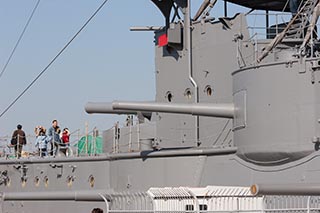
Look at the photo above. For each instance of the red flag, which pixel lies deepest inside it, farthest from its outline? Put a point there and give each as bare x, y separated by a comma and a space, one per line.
162, 40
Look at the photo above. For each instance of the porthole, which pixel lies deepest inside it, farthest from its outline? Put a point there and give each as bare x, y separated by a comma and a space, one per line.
69, 181
23, 182
37, 181
169, 96
7, 182
46, 181
208, 90
188, 93
91, 181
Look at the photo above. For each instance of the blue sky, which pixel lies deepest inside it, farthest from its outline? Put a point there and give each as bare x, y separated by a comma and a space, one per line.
106, 62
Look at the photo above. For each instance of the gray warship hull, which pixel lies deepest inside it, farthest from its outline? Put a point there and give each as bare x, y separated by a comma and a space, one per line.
231, 110
67, 184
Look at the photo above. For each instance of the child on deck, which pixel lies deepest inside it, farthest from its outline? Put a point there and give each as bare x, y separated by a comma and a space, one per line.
65, 136
42, 142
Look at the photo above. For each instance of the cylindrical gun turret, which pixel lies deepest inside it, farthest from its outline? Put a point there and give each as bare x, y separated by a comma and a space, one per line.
106, 108
285, 189
211, 110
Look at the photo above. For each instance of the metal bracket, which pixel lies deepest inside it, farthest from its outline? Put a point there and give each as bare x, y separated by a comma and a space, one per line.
59, 174
302, 65
4, 177
73, 168
240, 100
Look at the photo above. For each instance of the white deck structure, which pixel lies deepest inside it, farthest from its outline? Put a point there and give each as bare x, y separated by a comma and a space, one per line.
227, 199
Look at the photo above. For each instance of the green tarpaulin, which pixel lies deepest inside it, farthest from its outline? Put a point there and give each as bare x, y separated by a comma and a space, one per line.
94, 145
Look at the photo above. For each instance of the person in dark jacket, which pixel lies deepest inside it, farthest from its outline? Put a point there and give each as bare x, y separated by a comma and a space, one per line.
18, 140
54, 137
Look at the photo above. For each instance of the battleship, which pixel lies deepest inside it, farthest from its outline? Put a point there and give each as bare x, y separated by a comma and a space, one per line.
234, 127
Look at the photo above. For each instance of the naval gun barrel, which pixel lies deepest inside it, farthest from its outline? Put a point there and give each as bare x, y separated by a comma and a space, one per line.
285, 189
106, 108
198, 109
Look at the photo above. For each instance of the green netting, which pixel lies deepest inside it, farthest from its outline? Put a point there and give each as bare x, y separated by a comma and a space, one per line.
94, 146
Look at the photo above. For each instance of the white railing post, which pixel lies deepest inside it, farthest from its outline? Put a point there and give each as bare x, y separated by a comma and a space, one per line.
130, 136
138, 136
106, 201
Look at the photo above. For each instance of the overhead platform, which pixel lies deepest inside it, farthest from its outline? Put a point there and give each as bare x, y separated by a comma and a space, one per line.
273, 5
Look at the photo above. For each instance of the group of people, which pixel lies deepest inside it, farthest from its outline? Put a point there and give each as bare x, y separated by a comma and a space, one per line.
53, 138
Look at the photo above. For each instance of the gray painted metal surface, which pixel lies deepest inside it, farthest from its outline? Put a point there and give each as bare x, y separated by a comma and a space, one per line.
211, 110
276, 189
266, 133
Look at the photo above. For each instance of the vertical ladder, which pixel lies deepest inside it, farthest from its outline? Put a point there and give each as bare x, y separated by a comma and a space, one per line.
298, 27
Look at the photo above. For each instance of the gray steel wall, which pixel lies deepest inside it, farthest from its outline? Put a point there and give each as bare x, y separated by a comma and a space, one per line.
214, 58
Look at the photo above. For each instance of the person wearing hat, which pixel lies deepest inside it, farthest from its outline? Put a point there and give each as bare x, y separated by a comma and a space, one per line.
18, 140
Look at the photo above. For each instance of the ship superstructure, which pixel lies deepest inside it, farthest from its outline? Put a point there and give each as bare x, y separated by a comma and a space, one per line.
232, 109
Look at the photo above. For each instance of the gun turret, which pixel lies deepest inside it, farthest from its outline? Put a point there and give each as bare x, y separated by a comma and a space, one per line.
198, 109
106, 108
